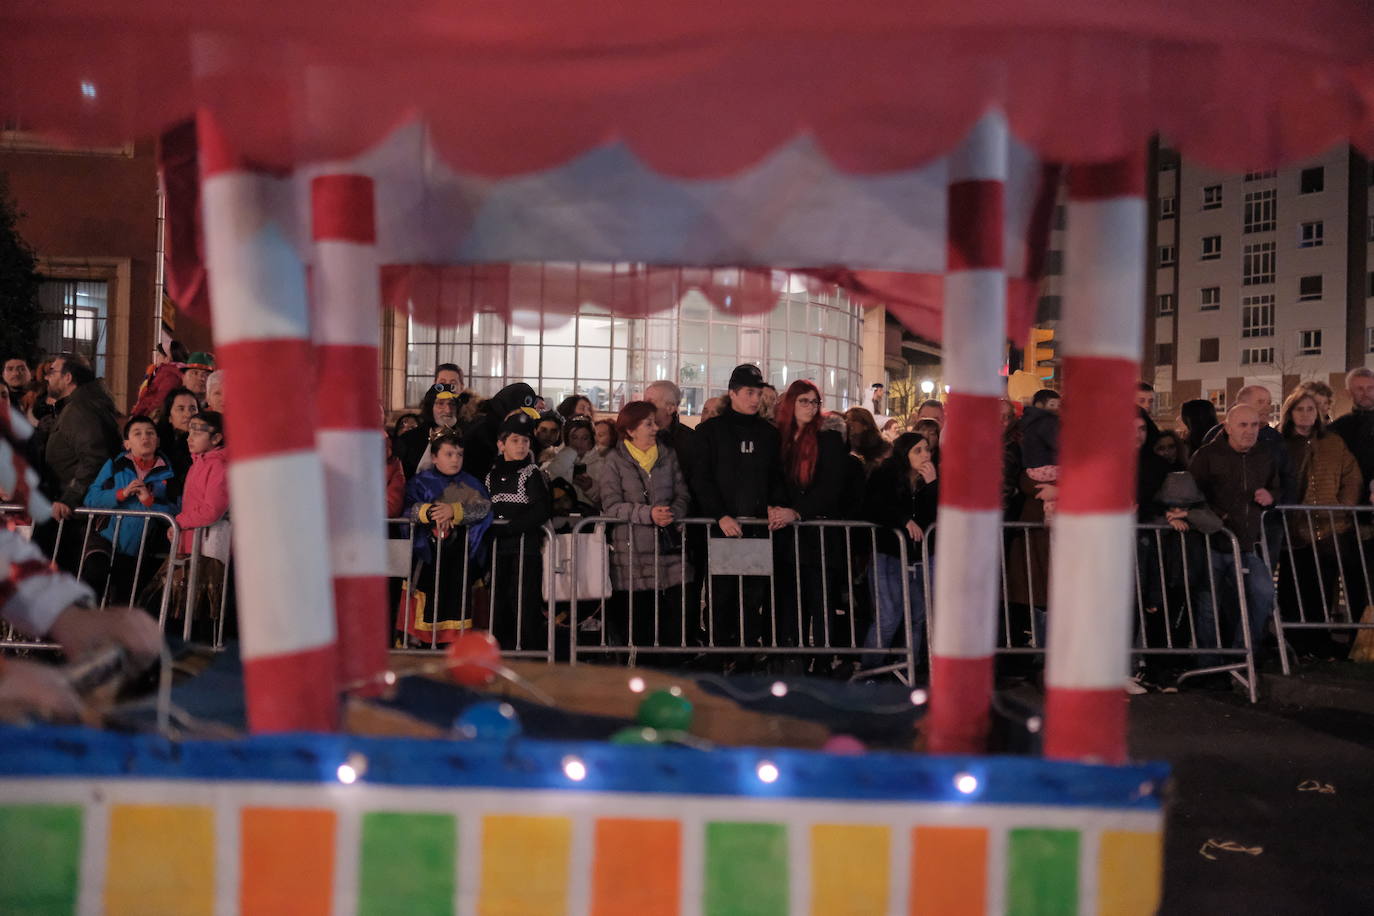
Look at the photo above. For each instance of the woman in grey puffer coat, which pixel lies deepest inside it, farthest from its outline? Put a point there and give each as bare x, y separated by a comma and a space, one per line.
652, 501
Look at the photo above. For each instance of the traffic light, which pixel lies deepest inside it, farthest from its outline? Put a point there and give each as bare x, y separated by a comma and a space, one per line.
1041, 353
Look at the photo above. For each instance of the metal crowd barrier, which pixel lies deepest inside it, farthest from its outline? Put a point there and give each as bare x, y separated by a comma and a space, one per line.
500, 611
1176, 591
62, 554
1321, 559
728, 602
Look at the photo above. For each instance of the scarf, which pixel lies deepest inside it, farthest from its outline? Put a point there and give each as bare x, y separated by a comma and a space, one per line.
646, 460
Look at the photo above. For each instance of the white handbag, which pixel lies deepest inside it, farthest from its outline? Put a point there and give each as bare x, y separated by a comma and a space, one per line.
593, 572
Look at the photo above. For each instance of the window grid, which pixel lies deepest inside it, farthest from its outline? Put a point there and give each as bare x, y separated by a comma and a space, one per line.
1310, 288
1166, 304
75, 317
1310, 343
1260, 176
1312, 181
1257, 316
1369, 340
1211, 298
1256, 356
1261, 210
1168, 256
1312, 233
1211, 197
1211, 247
1258, 263
1168, 207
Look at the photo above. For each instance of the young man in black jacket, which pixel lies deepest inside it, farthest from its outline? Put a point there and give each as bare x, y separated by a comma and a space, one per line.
737, 473
521, 505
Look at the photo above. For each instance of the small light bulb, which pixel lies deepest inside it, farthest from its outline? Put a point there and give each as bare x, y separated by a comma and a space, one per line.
574, 769
779, 689
636, 685
352, 769
919, 697
347, 775
88, 89
1033, 724
966, 783
675, 690
389, 678
767, 772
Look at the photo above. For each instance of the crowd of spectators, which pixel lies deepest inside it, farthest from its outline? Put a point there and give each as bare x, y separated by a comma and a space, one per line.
480, 477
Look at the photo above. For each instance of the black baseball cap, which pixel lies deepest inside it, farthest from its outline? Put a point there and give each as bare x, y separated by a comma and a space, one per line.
746, 375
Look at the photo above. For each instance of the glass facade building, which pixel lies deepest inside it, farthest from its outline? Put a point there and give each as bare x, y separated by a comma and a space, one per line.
812, 332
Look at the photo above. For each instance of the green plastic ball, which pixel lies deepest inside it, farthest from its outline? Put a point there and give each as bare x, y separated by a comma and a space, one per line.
665, 710
636, 735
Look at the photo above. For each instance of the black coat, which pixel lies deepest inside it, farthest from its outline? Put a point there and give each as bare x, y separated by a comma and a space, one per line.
837, 484
890, 503
1357, 429
736, 468
519, 498
679, 438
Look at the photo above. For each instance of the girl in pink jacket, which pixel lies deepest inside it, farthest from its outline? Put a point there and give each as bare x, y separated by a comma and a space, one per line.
205, 498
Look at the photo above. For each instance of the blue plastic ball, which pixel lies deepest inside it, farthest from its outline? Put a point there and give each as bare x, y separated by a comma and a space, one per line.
489, 720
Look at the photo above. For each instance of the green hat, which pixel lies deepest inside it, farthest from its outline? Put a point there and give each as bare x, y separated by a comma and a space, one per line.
201, 360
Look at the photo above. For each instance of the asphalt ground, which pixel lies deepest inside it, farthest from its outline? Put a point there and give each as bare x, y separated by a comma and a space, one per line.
1286, 784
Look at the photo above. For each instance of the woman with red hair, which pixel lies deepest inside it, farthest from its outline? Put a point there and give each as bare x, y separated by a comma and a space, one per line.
823, 482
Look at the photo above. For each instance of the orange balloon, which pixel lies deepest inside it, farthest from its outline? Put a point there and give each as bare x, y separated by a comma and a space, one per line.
474, 658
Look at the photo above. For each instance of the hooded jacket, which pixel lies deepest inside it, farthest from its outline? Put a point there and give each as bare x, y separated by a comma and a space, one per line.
205, 496
1039, 437
163, 380
108, 492
84, 435
479, 439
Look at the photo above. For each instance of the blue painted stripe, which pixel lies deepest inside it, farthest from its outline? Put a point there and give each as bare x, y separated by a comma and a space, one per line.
527, 764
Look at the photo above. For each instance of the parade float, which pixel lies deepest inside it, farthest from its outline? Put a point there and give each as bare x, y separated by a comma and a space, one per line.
347, 154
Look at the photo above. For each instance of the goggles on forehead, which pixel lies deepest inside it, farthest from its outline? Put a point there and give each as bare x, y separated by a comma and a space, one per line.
442, 390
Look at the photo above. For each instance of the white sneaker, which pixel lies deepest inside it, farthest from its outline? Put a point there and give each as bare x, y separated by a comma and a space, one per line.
1134, 687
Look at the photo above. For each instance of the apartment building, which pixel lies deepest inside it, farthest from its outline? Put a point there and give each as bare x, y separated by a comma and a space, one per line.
1258, 277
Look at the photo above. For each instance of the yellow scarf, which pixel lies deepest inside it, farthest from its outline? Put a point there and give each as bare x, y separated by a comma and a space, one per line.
646, 460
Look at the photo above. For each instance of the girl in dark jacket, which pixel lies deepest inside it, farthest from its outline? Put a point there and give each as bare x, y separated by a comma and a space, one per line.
641, 482
173, 426
823, 481
903, 494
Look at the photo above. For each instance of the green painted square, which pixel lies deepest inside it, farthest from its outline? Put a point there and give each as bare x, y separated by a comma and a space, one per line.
1042, 872
406, 864
40, 858
746, 869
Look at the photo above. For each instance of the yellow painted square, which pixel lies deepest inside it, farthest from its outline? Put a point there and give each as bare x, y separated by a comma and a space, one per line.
524, 865
1130, 873
161, 861
849, 869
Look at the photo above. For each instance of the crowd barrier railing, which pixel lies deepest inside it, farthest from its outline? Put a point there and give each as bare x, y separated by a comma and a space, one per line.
1184, 607
1321, 556
77, 544
763, 594
488, 575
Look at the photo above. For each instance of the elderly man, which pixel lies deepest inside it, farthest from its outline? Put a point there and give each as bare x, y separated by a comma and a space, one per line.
1259, 398
1357, 427
665, 396
1239, 478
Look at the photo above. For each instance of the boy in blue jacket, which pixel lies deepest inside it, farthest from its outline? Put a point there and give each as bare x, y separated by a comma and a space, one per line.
136, 478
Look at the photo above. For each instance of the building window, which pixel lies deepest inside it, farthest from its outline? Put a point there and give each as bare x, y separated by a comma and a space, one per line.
1166, 304
1369, 340
1211, 298
611, 359
1256, 356
1048, 309
1258, 263
75, 313
1370, 291
1218, 397
1211, 197
1168, 256
1164, 400
1259, 176
1211, 247
1257, 316
1313, 180
1311, 236
1168, 160
1168, 207
1370, 234
1310, 343
1060, 217
1054, 262
1209, 350
1261, 208
1164, 356
1309, 288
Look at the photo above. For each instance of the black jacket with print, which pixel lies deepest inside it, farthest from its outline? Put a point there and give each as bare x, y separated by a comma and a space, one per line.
736, 469
519, 499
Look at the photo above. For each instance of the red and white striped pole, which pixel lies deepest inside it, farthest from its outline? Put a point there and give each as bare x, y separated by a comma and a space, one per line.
276, 481
964, 628
1093, 547
346, 292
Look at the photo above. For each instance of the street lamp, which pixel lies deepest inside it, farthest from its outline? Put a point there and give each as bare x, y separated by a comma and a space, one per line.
927, 387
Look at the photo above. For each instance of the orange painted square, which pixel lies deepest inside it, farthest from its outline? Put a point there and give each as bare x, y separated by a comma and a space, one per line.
288, 861
635, 871
949, 871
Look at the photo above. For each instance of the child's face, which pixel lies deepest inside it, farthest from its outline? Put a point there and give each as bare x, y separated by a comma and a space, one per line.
141, 440
514, 447
448, 460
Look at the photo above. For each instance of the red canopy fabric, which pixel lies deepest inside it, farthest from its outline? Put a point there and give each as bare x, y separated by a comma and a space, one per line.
701, 89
